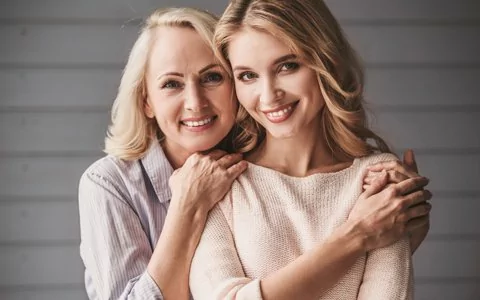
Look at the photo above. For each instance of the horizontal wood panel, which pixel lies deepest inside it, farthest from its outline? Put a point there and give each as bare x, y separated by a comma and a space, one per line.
58, 88
45, 294
33, 265
85, 131
426, 130
92, 9
447, 291
448, 259
415, 45
55, 265
87, 44
41, 131
39, 221
97, 88
32, 222
58, 176
343, 9
422, 87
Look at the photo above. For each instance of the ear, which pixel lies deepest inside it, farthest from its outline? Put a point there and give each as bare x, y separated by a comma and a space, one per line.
147, 107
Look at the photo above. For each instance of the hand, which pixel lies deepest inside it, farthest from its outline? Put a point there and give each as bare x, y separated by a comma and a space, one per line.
398, 172
204, 180
385, 214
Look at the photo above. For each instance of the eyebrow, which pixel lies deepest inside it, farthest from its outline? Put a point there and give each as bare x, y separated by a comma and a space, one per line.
275, 62
204, 69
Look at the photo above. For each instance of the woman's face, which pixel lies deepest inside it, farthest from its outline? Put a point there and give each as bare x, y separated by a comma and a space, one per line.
189, 93
276, 88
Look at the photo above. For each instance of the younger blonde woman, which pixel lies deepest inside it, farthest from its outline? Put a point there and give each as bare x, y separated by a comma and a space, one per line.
294, 224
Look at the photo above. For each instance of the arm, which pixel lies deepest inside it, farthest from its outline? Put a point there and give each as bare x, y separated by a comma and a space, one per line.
217, 273
388, 273
397, 172
114, 247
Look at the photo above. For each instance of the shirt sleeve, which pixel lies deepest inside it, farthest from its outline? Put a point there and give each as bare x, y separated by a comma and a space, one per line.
114, 248
388, 273
216, 271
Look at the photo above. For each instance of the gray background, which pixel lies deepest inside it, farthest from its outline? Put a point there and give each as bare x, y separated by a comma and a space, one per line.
60, 64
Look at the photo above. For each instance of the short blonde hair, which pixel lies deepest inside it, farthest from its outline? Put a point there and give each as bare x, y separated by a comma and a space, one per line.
310, 30
131, 131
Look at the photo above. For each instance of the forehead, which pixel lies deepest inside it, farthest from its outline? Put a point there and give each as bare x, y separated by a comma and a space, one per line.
254, 48
179, 49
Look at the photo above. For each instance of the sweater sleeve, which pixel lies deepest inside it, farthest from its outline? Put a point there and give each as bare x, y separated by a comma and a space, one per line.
216, 271
114, 247
388, 273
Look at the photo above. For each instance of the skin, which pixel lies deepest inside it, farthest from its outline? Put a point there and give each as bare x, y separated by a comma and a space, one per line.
184, 84
281, 93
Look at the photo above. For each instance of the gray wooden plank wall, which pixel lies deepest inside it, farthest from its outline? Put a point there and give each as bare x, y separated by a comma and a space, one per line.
60, 63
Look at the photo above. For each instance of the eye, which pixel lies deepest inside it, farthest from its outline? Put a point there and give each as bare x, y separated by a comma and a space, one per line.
246, 76
212, 78
289, 66
172, 84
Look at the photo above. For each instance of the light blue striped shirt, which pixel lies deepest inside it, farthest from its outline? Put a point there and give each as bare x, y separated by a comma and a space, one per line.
123, 205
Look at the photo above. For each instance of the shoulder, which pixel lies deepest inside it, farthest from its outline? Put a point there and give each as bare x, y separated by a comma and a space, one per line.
107, 174
376, 158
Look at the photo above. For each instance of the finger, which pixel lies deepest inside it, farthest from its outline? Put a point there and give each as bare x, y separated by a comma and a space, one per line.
409, 160
230, 159
417, 197
411, 184
416, 211
235, 170
390, 165
376, 186
417, 223
396, 177
216, 154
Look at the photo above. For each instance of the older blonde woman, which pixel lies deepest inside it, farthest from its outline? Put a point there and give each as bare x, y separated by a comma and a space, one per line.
144, 205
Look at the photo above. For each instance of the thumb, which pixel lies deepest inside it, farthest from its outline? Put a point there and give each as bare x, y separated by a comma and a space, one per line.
409, 160
377, 184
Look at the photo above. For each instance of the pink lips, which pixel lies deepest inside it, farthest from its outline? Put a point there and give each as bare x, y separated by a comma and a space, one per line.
198, 124
280, 113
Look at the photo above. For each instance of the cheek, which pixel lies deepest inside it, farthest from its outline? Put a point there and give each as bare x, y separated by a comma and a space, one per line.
245, 95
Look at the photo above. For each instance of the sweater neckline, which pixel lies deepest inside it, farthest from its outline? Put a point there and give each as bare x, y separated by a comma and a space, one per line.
341, 172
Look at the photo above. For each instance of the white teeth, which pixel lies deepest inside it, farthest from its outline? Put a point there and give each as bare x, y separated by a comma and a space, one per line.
197, 123
280, 113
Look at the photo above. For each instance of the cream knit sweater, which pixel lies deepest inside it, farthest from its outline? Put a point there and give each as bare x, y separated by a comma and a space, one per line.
268, 219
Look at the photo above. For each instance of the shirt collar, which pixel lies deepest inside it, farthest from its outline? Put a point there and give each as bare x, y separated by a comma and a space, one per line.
159, 170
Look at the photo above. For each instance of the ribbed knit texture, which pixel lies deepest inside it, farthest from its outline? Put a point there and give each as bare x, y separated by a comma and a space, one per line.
268, 219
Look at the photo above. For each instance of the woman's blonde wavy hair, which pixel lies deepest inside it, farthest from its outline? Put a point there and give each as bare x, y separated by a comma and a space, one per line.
310, 30
131, 132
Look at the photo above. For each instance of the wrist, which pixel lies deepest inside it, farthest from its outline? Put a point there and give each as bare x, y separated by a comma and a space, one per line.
353, 237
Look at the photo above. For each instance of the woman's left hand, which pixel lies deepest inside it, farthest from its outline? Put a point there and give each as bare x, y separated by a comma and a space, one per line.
397, 172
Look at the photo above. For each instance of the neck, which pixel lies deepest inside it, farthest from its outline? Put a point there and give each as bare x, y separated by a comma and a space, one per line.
305, 154
176, 156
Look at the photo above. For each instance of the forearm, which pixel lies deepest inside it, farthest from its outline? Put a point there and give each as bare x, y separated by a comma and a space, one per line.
316, 271
170, 263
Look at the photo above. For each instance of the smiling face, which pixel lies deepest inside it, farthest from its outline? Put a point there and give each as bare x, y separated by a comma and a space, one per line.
189, 93
275, 87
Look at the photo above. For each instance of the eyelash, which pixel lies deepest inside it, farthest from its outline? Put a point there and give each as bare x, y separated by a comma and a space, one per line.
209, 78
284, 67
167, 85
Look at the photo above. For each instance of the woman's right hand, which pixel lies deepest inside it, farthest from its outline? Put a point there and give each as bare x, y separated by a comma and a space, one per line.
386, 214
204, 180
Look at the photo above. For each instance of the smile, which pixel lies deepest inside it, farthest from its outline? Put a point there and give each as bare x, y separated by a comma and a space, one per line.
280, 114
198, 124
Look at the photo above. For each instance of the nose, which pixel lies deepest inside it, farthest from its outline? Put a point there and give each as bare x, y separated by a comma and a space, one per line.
270, 93
194, 99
